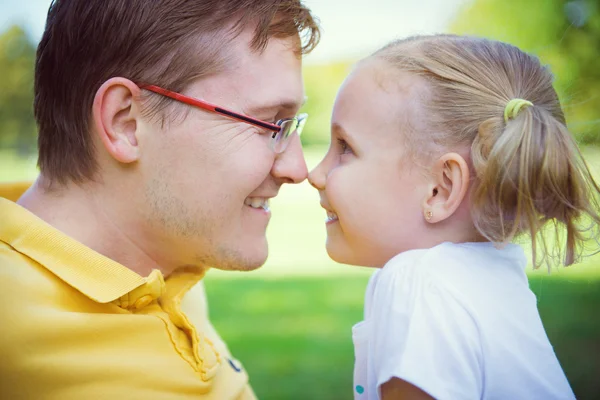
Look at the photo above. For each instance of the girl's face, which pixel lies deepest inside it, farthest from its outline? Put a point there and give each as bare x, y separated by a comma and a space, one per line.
372, 192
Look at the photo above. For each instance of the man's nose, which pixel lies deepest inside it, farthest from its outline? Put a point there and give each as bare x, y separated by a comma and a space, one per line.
290, 166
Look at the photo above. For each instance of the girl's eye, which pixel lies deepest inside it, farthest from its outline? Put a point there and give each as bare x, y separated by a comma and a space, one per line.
344, 147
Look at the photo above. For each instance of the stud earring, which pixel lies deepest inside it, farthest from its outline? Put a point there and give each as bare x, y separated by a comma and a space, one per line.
428, 215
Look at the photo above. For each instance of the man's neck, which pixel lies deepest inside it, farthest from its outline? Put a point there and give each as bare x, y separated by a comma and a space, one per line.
82, 214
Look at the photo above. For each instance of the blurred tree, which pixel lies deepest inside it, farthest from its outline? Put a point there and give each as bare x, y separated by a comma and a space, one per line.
322, 83
564, 34
17, 58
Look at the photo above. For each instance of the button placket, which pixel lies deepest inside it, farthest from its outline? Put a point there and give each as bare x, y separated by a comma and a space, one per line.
205, 358
143, 295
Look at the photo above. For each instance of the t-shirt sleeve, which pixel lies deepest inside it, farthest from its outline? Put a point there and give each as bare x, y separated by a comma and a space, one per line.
421, 333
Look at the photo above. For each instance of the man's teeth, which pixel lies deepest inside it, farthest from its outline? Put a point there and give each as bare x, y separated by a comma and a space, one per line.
257, 202
331, 216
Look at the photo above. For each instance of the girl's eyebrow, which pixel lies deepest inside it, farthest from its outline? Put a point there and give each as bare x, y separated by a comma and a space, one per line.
339, 130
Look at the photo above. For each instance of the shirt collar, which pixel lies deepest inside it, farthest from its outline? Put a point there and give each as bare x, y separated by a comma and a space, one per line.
96, 276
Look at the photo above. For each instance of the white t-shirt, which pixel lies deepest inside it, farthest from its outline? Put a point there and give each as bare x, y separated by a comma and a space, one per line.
459, 322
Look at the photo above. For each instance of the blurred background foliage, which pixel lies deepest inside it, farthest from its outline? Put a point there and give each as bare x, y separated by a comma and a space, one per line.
564, 34
290, 321
17, 58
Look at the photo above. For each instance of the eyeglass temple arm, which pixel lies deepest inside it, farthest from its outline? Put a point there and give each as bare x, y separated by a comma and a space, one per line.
210, 107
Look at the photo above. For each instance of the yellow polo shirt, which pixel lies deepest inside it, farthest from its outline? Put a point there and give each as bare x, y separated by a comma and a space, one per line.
77, 325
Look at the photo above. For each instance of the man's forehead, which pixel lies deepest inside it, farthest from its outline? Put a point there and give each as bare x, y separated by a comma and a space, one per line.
262, 81
273, 87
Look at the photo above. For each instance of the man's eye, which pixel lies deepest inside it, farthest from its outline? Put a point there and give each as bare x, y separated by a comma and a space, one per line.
269, 132
264, 131
344, 147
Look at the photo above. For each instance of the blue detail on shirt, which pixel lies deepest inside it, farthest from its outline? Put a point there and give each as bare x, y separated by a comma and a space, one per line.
235, 367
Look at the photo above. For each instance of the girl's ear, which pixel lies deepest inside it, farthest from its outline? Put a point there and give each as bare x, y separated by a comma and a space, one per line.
449, 184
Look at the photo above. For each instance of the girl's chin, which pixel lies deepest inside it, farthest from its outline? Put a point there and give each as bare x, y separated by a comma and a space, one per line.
338, 252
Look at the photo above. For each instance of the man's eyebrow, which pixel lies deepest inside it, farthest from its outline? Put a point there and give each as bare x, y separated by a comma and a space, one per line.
284, 105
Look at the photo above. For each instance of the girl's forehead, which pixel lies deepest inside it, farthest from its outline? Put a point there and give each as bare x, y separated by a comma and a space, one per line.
375, 91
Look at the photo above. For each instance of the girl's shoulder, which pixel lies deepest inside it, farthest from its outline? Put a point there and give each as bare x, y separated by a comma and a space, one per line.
448, 261
461, 274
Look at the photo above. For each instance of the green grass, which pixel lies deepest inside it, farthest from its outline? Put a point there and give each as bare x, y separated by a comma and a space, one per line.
290, 321
569, 311
292, 334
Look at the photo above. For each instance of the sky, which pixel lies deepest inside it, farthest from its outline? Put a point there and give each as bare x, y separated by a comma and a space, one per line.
351, 29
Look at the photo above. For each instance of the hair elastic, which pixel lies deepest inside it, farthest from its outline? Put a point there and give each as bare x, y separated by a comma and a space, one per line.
513, 108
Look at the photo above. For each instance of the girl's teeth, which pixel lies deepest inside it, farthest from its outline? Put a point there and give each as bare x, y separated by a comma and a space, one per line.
331, 216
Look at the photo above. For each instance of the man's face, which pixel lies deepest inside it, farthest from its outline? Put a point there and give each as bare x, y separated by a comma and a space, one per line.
207, 178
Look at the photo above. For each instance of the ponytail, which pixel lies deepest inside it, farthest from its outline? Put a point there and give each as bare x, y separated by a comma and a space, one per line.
532, 178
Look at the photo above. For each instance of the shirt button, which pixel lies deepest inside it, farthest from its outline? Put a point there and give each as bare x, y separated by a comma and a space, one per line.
143, 301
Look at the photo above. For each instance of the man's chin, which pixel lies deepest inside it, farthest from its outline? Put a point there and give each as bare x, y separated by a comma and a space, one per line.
247, 257
240, 266
240, 261
249, 267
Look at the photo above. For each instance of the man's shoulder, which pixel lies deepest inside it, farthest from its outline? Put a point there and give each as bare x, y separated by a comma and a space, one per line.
18, 269
25, 286
14, 266
26, 294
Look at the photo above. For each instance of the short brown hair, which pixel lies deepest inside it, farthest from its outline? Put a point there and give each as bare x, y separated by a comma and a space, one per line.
528, 171
168, 43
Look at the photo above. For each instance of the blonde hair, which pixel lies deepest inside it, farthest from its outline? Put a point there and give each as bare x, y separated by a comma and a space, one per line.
528, 171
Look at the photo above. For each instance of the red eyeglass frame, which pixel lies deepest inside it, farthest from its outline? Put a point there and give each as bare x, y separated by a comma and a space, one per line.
205, 105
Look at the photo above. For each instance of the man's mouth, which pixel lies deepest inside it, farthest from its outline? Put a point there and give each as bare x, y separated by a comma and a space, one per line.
258, 203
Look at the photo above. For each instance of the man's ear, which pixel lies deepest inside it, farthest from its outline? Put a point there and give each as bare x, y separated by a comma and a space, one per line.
448, 187
115, 118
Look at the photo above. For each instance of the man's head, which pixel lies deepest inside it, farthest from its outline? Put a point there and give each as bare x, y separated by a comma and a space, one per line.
178, 180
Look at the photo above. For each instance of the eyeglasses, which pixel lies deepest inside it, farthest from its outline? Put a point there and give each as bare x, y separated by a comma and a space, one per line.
282, 129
